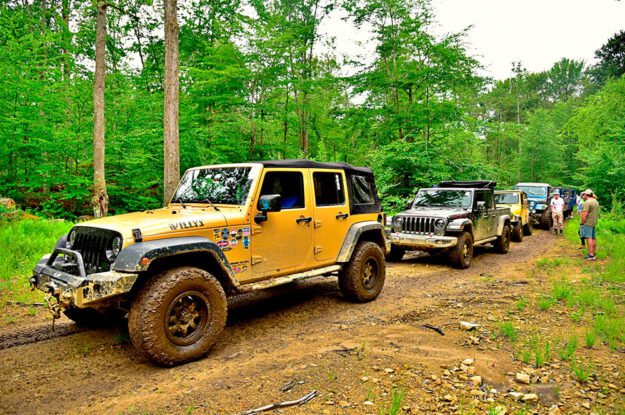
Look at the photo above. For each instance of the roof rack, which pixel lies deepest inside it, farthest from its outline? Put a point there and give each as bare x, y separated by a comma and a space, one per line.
478, 184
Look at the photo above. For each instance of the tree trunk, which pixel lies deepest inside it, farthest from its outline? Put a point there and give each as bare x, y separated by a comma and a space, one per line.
172, 156
65, 12
99, 182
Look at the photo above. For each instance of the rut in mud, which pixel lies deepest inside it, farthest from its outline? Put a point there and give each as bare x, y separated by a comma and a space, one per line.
303, 335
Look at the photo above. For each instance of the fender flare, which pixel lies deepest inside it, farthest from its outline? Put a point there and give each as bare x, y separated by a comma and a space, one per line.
353, 236
458, 225
501, 223
129, 259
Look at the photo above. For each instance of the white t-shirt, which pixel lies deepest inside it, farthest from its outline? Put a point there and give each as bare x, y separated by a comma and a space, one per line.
557, 205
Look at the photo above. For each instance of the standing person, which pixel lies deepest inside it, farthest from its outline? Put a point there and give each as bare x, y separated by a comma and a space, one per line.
588, 222
580, 204
557, 213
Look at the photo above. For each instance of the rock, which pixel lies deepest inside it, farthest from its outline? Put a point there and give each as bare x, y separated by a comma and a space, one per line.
466, 326
368, 403
446, 373
471, 370
516, 395
474, 340
523, 378
7, 202
476, 380
529, 397
477, 393
500, 410
586, 404
344, 404
468, 362
389, 370
448, 398
554, 410
364, 378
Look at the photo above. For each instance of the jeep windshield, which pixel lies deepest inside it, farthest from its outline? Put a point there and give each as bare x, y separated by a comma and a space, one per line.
443, 198
533, 190
507, 198
218, 185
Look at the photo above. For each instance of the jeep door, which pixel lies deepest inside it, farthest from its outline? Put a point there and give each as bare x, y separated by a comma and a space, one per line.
486, 217
284, 242
331, 213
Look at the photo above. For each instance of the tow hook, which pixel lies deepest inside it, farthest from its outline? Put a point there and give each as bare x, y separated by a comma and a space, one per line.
52, 301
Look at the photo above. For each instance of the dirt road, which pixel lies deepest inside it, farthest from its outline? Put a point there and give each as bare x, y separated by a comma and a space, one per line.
281, 344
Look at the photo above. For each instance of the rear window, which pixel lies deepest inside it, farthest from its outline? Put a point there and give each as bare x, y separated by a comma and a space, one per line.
363, 188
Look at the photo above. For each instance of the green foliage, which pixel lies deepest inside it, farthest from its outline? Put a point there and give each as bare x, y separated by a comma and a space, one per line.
567, 351
23, 243
508, 330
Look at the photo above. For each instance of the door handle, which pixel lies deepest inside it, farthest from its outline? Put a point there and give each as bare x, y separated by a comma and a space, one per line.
303, 219
342, 216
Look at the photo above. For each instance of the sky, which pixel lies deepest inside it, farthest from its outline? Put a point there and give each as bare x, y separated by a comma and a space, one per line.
536, 32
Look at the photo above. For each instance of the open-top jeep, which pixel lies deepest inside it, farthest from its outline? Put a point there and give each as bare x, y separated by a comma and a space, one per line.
228, 229
451, 218
520, 220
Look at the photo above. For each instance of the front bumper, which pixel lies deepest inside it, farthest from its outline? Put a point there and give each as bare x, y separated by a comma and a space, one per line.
423, 241
78, 290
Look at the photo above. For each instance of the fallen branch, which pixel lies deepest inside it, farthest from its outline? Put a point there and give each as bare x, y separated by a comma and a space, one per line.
436, 329
301, 401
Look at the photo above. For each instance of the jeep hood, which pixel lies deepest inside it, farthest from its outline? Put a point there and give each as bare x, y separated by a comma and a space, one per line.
435, 212
166, 222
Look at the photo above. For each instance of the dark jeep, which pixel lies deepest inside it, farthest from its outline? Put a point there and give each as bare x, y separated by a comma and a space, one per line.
451, 218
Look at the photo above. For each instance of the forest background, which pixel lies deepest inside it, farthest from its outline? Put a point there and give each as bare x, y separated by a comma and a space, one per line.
259, 81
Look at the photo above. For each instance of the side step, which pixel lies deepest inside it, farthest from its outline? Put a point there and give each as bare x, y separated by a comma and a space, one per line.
485, 241
273, 282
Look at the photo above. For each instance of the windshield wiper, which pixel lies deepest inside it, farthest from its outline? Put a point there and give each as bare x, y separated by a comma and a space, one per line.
211, 204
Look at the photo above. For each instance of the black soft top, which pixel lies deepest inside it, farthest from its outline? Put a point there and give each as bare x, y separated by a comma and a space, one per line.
303, 163
477, 184
363, 194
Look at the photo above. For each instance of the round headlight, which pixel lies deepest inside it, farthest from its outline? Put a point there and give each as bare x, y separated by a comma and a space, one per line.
440, 223
116, 246
71, 238
398, 220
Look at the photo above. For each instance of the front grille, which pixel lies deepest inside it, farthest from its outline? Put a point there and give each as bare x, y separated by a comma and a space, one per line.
92, 244
418, 225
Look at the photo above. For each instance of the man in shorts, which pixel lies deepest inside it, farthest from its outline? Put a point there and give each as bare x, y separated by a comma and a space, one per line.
588, 222
557, 213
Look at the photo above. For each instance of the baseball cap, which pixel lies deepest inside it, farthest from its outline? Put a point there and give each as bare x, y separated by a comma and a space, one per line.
588, 192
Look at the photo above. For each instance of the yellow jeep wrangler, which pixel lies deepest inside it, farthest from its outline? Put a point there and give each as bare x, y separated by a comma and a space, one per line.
516, 201
228, 229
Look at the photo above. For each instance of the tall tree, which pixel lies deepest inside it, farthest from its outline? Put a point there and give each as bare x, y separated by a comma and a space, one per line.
172, 153
100, 198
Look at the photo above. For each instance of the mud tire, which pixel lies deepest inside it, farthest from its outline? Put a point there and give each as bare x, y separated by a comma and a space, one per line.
502, 244
90, 317
517, 233
461, 255
178, 293
396, 254
545, 220
362, 279
527, 229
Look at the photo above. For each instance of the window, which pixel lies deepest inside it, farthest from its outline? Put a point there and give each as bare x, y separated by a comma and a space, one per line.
289, 185
486, 197
507, 198
329, 189
362, 187
220, 185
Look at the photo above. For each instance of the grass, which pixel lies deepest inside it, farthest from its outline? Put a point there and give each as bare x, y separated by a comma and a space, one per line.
561, 290
521, 304
508, 330
545, 302
581, 371
610, 330
397, 397
569, 349
590, 337
22, 244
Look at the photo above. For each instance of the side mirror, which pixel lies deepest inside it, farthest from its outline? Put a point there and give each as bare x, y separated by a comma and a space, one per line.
268, 203
481, 205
